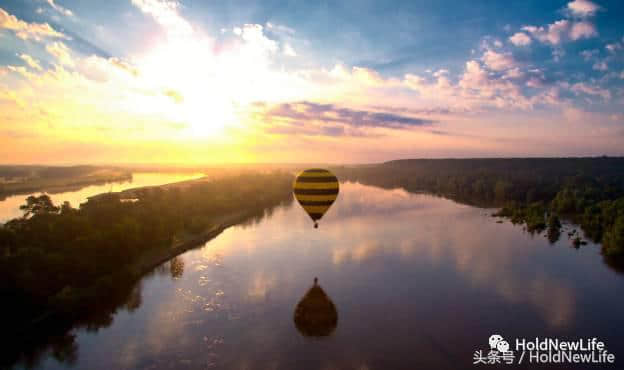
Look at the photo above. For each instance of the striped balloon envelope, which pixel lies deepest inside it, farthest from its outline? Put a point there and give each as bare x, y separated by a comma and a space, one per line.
316, 190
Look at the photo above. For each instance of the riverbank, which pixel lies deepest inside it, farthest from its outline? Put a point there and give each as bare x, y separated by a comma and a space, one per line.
67, 260
589, 191
29, 179
157, 257
191, 241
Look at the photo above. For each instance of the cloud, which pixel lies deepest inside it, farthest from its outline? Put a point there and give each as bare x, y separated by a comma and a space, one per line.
583, 8
600, 66
514, 73
614, 47
289, 51
254, 36
589, 54
23, 71
31, 62
331, 120
441, 72
582, 30
498, 61
61, 52
165, 13
520, 39
100, 69
124, 65
553, 34
25, 30
562, 30
582, 88
59, 8
534, 82
279, 28
476, 89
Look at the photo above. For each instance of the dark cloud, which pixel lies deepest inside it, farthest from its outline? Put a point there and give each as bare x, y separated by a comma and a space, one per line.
330, 113
404, 110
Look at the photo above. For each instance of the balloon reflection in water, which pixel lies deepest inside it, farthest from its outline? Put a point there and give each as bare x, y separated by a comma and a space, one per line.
316, 315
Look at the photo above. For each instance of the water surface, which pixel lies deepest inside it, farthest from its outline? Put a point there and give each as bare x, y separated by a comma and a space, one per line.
417, 282
9, 207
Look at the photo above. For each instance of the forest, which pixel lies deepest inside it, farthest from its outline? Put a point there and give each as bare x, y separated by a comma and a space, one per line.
58, 261
537, 192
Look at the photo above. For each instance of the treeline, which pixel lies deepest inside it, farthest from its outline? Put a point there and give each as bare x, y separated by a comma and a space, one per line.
28, 179
534, 191
64, 260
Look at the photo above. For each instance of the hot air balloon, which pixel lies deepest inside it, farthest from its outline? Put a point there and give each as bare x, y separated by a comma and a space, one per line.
316, 190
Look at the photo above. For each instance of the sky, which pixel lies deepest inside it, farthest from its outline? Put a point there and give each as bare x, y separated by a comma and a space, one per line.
204, 82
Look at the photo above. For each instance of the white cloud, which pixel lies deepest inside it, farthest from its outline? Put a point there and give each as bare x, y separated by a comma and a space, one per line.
561, 30
534, 82
589, 54
553, 34
582, 30
583, 8
520, 39
558, 53
25, 30
514, 73
613, 47
498, 61
441, 72
583, 88
289, 51
253, 35
600, 66
103, 70
61, 52
31, 62
165, 12
279, 28
59, 8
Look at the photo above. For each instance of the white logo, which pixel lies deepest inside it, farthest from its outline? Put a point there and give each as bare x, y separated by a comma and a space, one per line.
499, 352
494, 339
544, 351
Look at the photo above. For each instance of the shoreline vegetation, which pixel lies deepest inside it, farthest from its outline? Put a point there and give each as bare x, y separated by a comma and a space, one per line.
62, 262
16, 180
67, 267
535, 192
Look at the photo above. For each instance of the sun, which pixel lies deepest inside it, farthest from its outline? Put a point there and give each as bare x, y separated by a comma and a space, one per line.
208, 116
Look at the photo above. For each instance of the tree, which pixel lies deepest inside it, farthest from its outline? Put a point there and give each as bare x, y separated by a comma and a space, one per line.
38, 205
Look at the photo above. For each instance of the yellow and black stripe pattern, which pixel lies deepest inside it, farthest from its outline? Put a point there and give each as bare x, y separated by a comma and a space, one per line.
316, 190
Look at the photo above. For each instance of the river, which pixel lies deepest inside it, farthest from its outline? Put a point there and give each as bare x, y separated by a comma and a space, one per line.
417, 282
9, 207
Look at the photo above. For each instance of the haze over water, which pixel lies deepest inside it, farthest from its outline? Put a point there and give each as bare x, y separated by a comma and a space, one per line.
418, 282
9, 206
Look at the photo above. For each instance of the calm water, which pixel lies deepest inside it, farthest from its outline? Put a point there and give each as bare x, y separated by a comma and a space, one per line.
9, 207
418, 282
